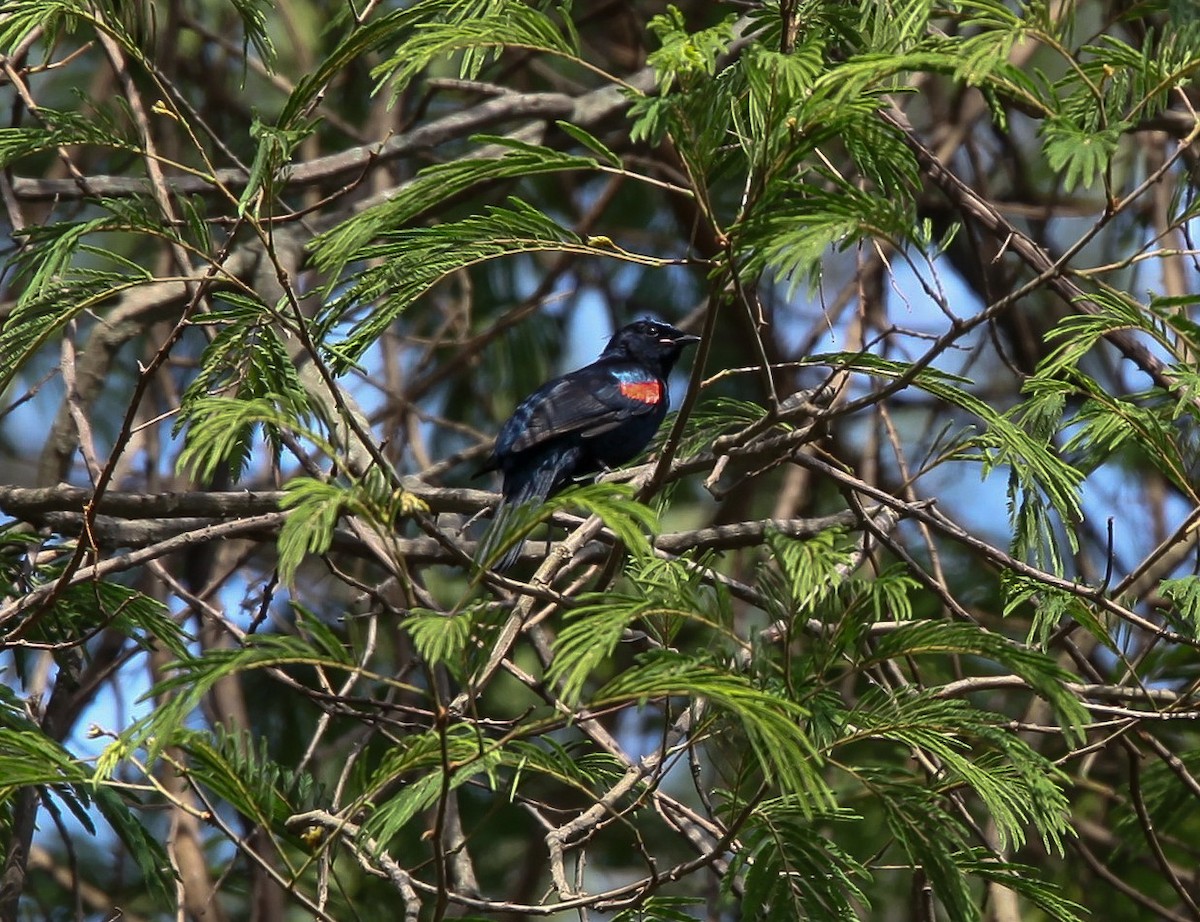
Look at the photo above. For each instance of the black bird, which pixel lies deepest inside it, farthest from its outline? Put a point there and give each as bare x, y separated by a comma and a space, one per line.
589, 420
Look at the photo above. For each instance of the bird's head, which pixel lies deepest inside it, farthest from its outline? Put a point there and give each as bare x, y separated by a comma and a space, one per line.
653, 344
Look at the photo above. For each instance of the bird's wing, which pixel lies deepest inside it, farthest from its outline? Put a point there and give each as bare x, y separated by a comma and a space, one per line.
589, 402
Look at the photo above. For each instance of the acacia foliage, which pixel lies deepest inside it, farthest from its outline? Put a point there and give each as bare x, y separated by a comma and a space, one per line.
855, 636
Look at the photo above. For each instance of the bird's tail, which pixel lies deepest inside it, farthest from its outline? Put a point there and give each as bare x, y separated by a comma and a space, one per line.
523, 489
499, 526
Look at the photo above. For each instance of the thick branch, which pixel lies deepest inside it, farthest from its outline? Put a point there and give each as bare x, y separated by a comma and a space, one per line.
967, 201
322, 169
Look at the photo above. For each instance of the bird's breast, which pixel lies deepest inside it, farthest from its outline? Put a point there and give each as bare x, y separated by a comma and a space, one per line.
649, 392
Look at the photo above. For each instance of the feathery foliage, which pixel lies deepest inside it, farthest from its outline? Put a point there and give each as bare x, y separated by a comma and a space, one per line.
900, 616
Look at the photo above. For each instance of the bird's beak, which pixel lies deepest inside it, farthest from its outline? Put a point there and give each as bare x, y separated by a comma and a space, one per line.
685, 340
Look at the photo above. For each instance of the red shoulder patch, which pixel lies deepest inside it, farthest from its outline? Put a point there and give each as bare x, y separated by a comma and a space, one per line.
642, 391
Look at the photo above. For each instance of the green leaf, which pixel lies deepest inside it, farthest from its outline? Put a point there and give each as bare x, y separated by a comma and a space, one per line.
316, 506
683, 55
660, 909
791, 865
29, 758
1017, 786
1167, 793
62, 275
791, 230
665, 594
22, 17
1040, 481
1049, 608
1082, 155
1184, 595
439, 638
626, 518
574, 767
361, 40
158, 874
1077, 333
771, 723
143, 619
931, 838
271, 154
590, 638
478, 32
312, 628
190, 680
409, 263
243, 775
220, 431
419, 762
592, 143
1028, 882
432, 187
1041, 672
247, 359
100, 127
897, 25
253, 14
797, 575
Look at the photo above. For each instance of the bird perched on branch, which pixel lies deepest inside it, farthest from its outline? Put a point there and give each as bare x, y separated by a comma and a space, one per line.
589, 420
